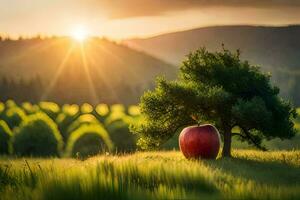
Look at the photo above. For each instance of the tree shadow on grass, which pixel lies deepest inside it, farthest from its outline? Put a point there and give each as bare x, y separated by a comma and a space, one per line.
265, 172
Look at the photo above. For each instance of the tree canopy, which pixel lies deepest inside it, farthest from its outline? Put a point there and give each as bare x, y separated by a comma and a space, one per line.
221, 89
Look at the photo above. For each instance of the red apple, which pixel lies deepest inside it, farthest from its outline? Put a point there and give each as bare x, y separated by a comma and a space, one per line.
200, 142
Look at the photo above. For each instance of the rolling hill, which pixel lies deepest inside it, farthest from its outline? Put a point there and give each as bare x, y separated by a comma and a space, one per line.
275, 49
66, 71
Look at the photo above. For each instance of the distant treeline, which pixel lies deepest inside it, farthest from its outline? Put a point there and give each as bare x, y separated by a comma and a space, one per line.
8, 38
21, 90
35, 89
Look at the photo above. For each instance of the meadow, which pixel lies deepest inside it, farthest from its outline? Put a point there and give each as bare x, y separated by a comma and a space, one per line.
154, 175
98, 159
149, 99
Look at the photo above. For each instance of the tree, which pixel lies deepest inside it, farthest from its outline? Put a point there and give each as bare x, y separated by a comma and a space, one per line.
221, 89
5, 137
38, 136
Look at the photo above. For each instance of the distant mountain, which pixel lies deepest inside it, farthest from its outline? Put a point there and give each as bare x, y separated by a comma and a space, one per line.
276, 49
95, 71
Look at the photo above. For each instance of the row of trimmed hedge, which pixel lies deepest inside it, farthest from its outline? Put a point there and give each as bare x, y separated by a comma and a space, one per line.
49, 130
39, 136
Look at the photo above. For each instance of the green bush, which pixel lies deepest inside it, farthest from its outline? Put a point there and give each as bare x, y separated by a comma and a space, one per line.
120, 135
88, 140
117, 113
81, 120
50, 108
86, 108
71, 110
37, 136
134, 110
14, 116
5, 137
68, 115
102, 110
2, 108
117, 108
29, 108
10, 104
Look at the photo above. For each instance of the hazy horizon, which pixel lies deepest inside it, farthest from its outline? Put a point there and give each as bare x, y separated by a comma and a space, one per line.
16, 37
130, 19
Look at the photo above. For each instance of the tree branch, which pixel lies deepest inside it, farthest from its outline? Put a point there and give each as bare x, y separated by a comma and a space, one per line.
240, 135
248, 136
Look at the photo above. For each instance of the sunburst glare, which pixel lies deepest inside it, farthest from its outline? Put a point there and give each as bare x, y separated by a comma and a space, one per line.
79, 33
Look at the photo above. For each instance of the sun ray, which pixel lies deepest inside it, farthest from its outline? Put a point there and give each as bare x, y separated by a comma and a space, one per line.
42, 46
106, 83
95, 98
118, 59
57, 74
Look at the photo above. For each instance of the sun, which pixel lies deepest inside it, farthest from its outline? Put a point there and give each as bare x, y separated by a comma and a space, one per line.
79, 33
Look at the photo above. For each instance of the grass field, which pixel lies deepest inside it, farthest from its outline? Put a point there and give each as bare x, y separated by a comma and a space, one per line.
154, 175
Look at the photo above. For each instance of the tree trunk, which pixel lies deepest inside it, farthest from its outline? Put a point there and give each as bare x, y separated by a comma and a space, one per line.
226, 152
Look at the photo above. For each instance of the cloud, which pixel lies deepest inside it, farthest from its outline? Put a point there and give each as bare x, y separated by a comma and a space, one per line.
140, 8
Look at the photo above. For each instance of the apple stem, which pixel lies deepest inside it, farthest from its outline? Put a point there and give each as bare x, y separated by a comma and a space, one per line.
196, 119
198, 122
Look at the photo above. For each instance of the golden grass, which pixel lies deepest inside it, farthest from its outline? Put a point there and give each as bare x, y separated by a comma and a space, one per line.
154, 175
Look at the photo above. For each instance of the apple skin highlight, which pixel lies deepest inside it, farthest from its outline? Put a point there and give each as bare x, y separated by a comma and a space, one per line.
200, 142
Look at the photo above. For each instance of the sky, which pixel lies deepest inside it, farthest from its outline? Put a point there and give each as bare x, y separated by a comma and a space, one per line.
120, 19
